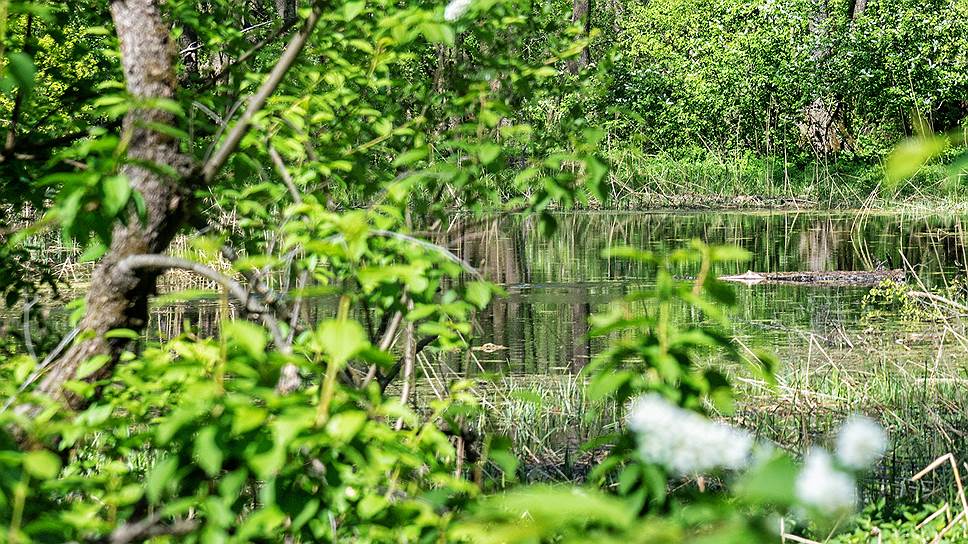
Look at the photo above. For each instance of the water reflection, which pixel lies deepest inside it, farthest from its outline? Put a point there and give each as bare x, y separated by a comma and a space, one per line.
555, 283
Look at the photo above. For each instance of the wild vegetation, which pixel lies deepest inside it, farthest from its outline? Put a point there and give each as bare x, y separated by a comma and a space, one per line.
307, 169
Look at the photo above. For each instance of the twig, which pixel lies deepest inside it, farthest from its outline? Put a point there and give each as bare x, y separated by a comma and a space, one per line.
426, 245
385, 342
938, 298
258, 100
68, 338
28, 341
950, 458
395, 370
284, 174
945, 509
409, 354
150, 527
250, 52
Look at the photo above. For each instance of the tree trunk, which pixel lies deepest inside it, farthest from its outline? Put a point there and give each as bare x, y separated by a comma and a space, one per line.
820, 124
286, 10
119, 299
581, 14
857, 8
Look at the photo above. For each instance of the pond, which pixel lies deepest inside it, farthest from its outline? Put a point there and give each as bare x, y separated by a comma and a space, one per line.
838, 354
555, 284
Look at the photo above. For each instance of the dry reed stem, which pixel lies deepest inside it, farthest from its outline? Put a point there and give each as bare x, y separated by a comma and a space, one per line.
940, 535
795, 538
945, 509
963, 515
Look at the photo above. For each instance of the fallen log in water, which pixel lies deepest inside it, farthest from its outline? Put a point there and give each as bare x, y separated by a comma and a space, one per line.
833, 278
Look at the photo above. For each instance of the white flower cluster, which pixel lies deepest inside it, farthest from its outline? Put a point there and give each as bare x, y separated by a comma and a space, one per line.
830, 488
688, 443
822, 486
456, 8
683, 441
860, 442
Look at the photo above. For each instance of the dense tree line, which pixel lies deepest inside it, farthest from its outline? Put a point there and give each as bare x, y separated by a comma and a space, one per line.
806, 78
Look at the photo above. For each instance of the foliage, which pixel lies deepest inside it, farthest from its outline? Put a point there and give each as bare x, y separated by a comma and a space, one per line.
737, 74
628, 498
390, 119
167, 436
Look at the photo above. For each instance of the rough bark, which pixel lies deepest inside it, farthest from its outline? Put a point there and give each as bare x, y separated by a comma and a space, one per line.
820, 124
286, 10
118, 298
581, 14
857, 8
821, 127
119, 295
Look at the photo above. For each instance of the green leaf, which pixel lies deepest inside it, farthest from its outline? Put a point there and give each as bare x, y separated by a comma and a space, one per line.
559, 506
247, 418
438, 33
409, 157
160, 477
478, 293
344, 426
341, 340
95, 249
91, 366
116, 193
595, 171
22, 69
246, 335
772, 482
41, 464
500, 451
371, 505
352, 9
729, 253
207, 451
488, 152
122, 333
168, 130
910, 155
605, 384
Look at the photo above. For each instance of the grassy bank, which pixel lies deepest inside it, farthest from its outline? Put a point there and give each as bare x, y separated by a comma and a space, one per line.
702, 179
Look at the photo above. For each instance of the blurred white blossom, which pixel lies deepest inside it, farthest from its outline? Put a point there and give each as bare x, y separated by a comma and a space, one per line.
822, 486
860, 443
683, 441
456, 8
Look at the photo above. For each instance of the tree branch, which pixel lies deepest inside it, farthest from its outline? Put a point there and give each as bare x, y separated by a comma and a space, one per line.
148, 528
258, 100
284, 174
236, 289
409, 355
395, 370
18, 101
391, 331
251, 51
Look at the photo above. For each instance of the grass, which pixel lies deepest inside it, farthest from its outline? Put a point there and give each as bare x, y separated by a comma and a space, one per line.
697, 178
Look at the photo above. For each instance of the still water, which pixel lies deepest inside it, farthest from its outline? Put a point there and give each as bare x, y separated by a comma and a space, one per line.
554, 284
835, 357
